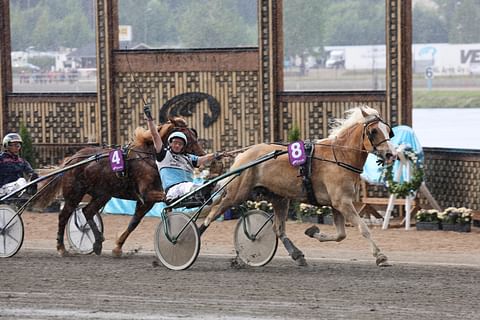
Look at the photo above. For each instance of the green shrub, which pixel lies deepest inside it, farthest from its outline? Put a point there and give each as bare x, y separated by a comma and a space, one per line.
27, 147
294, 134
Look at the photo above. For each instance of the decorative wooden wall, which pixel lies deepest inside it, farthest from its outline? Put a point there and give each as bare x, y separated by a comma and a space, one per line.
311, 112
56, 120
230, 78
453, 176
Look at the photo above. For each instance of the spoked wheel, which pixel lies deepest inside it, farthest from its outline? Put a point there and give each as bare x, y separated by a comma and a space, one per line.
79, 234
182, 251
255, 241
11, 231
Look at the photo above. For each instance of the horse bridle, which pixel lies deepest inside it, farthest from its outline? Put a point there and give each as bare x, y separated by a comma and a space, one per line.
368, 122
366, 132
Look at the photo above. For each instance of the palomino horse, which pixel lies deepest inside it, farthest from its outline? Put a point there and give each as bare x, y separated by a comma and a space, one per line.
336, 164
141, 182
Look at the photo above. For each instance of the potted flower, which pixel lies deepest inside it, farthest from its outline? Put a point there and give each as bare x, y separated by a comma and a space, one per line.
456, 219
427, 219
313, 214
260, 205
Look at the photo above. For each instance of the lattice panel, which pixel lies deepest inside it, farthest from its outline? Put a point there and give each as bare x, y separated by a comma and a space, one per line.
59, 122
238, 125
454, 182
312, 117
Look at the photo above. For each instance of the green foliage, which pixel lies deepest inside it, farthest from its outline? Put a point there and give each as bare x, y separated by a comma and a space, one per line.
294, 134
427, 215
460, 20
216, 24
308, 25
454, 215
51, 24
191, 24
27, 146
405, 188
429, 27
355, 23
303, 26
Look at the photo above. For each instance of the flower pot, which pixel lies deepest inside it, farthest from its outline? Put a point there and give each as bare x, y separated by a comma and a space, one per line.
312, 219
426, 225
328, 219
457, 227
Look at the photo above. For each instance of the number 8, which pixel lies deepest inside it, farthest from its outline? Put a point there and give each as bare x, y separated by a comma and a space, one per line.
296, 150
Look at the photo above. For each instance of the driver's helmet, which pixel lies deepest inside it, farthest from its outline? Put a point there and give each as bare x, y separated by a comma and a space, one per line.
11, 137
178, 135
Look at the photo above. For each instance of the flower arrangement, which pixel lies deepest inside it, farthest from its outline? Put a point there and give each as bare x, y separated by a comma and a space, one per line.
260, 205
427, 215
405, 188
454, 215
310, 210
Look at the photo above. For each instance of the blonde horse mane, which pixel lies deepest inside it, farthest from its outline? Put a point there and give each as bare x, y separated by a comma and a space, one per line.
142, 136
354, 116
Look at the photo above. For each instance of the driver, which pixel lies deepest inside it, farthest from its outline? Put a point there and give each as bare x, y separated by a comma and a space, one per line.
174, 165
14, 170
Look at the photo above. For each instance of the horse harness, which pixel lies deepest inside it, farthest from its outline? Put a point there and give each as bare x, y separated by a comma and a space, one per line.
305, 170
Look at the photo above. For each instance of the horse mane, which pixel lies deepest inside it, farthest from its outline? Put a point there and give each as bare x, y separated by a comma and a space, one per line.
354, 116
142, 136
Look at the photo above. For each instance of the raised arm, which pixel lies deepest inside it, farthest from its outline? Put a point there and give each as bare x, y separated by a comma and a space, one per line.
157, 140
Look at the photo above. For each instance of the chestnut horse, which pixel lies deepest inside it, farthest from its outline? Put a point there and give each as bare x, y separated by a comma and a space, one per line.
335, 175
141, 182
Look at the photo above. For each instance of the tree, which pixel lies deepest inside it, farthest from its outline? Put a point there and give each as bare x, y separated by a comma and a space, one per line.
214, 23
50, 24
353, 22
27, 146
464, 27
428, 25
303, 25
461, 19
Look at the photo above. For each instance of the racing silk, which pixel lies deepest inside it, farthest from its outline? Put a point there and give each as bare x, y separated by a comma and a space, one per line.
175, 168
12, 168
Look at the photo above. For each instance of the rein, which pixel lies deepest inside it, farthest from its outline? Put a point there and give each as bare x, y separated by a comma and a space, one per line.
340, 163
347, 166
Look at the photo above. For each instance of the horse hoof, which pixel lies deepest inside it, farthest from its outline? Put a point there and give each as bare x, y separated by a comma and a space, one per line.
301, 262
311, 231
97, 248
61, 250
201, 229
116, 252
382, 261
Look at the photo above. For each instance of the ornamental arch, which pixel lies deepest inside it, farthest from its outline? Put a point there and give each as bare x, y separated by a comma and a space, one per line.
234, 97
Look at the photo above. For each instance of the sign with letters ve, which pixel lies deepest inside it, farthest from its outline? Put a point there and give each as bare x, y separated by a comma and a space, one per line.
116, 160
296, 153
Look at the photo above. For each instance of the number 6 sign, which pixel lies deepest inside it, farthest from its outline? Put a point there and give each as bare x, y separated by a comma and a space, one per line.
296, 153
116, 160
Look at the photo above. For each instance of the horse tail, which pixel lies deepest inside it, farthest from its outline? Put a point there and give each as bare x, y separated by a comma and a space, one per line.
48, 190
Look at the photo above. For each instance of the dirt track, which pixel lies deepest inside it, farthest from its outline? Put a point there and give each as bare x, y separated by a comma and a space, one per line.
434, 276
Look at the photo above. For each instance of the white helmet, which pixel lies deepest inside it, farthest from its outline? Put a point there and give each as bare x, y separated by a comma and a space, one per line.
11, 137
178, 135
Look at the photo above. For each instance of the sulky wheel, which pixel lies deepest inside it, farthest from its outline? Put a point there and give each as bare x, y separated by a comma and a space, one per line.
254, 238
79, 234
182, 251
11, 231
